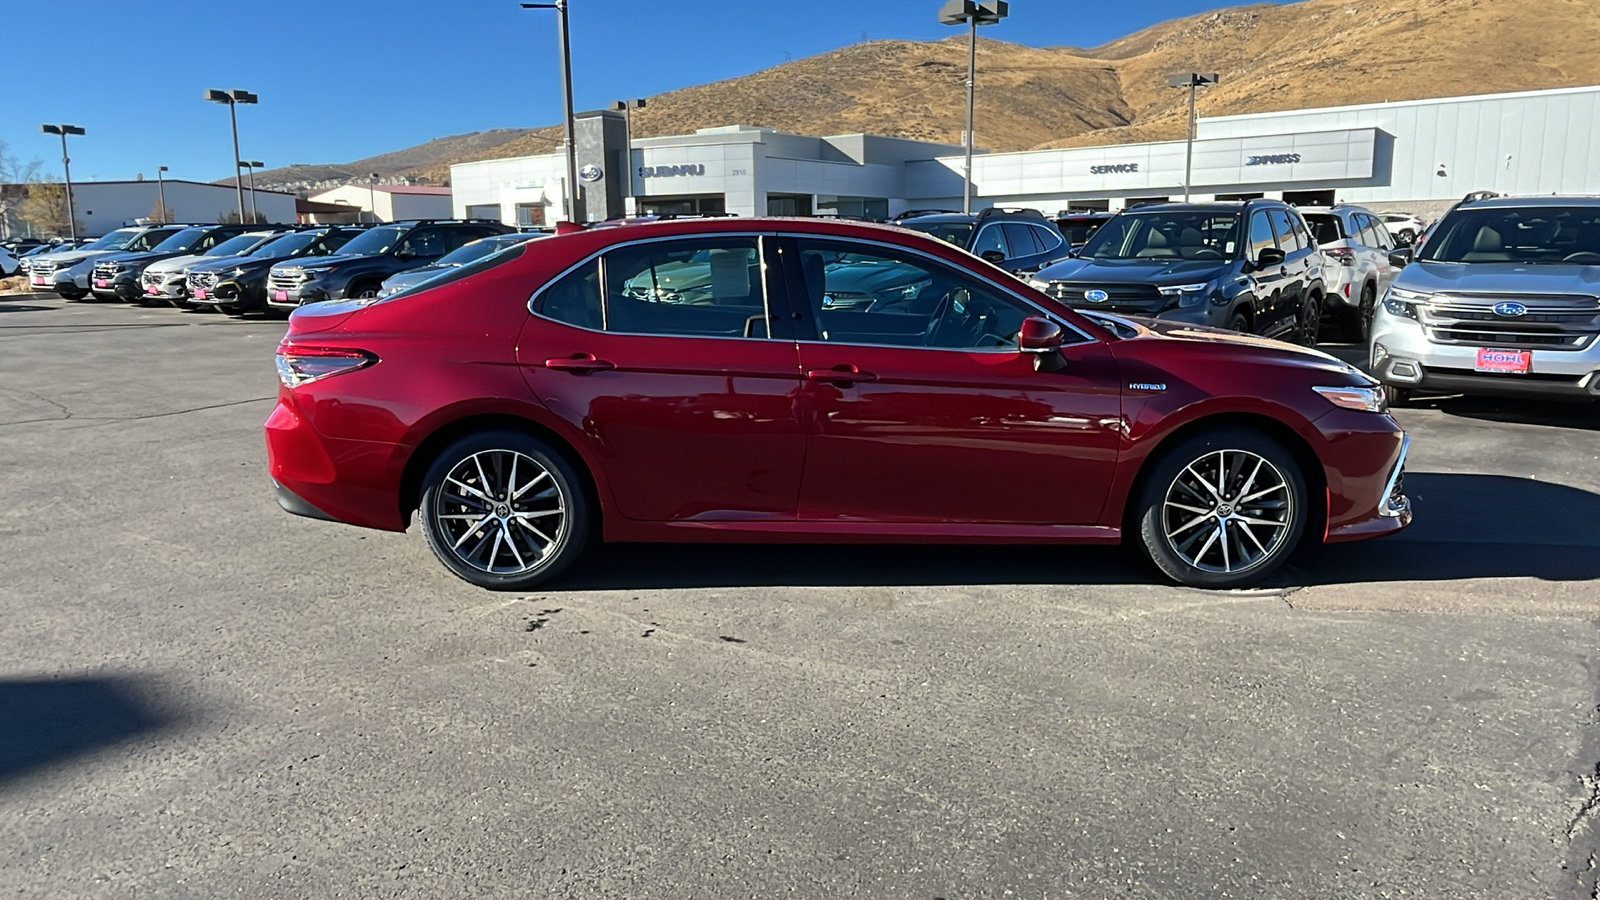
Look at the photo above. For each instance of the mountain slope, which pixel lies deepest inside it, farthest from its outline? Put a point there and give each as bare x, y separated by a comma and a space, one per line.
1271, 57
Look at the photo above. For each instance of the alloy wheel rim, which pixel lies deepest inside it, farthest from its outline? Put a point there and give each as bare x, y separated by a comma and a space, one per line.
501, 512
1227, 512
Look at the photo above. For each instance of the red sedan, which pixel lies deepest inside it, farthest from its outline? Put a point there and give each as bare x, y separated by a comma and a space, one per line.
792, 380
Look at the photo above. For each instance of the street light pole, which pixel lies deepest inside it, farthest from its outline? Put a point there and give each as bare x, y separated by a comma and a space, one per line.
66, 169
1192, 81
569, 122
233, 98
161, 194
252, 165
971, 13
626, 107
372, 195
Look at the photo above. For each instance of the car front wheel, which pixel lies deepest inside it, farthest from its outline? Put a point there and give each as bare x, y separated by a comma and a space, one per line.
504, 511
1222, 509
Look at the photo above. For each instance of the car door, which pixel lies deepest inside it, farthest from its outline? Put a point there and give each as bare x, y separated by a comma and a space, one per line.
1380, 243
920, 408
1296, 267
1266, 282
658, 354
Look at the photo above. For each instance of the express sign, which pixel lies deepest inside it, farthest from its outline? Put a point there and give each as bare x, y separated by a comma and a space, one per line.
1272, 159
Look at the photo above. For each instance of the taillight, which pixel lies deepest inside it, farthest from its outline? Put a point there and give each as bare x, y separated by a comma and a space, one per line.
1343, 254
300, 365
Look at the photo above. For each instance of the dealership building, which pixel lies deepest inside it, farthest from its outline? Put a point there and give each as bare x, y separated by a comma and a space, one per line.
1418, 155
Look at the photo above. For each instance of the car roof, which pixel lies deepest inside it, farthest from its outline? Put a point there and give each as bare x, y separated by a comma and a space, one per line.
1546, 200
942, 217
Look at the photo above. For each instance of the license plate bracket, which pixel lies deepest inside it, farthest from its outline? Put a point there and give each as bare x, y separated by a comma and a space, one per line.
1504, 362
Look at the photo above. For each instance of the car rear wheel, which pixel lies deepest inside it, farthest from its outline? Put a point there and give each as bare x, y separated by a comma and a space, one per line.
1358, 322
73, 294
1222, 509
1239, 323
1309, 323
504, 511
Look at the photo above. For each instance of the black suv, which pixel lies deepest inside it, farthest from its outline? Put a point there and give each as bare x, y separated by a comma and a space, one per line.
119, 278
1249, 266
1077, 226
360, 267
239, 284
1017, 240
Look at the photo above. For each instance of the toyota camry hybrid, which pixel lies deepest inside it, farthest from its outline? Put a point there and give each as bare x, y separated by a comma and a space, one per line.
691, 381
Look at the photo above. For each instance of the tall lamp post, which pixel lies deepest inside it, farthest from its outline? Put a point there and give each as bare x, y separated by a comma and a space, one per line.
252, 165
626, 107
1192, 81
567, 124
233, 98
971, 13
66, 168
161, 194
372, 195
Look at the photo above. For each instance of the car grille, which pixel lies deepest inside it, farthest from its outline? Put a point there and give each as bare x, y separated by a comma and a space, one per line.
1552, 322
1119, 297
286, 280
149, 278
202, 281
105, 270
43, 267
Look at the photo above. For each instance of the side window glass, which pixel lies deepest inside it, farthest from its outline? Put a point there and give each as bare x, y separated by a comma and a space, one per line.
989, 238
1048, 239
710, 287
1260, 234
1379, 234
870, 295
423, 242
575, 299
1301, 235
1280, 224
1021, 240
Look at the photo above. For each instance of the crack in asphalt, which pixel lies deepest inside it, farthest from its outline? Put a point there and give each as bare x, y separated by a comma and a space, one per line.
1290, 592
67, 413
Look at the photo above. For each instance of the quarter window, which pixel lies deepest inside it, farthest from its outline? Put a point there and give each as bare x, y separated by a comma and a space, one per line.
870, 295
1048, 239
575, 299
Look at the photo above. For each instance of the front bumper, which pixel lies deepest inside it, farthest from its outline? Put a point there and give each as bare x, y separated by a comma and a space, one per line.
301, 294
122, 286
1401, 355
172, 288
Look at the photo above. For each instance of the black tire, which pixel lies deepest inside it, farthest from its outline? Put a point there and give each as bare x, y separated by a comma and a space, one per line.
72, 294
445, 513
1407, 236
362, 289
1308, 325
1397, 396
1356, 324
1188, 554
1239, 323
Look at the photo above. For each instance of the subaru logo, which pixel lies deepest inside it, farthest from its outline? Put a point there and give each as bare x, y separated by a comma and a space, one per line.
1510, 309
1096, 296
590, 172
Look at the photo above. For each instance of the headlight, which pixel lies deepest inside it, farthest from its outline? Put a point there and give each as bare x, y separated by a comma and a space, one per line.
1039, 284
1189, 295
1401, 302
237, 271
1362, 399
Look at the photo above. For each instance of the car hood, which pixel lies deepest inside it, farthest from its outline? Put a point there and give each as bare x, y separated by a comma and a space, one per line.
1500, 278
146, 257
1134, 271
229, 263
70, 257
1231, 343
175, 263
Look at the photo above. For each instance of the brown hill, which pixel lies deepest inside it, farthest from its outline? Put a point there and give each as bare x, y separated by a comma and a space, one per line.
1271, 57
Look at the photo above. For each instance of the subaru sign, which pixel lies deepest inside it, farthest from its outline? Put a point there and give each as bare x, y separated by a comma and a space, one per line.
1510, 309
1095, 295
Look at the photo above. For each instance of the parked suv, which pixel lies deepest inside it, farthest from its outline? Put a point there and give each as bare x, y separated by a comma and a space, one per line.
1503, 299
1405, 227
1356, 247
362, 265
239, 285
68, 272
118, 278
470, 252
1245, 265
1017, 240
167, 280
1077, 226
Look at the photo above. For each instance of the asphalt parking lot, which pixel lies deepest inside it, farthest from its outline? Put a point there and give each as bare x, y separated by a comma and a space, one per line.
203, 696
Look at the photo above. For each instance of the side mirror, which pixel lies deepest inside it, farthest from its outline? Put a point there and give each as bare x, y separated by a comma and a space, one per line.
993, 256
1270, 256
1400, 258
1042, 339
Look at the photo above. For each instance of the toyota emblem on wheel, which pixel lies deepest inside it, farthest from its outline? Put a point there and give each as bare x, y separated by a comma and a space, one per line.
1096, 296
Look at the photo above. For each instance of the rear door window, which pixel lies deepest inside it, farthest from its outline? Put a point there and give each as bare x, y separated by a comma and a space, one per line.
1021, 240
1286, 236
1261, 236
708, 287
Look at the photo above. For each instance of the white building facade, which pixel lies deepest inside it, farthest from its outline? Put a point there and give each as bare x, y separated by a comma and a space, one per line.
1419, 155
388, 202
103, 206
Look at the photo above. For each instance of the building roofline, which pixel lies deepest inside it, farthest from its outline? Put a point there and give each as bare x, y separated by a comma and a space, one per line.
152, 181
1361, 107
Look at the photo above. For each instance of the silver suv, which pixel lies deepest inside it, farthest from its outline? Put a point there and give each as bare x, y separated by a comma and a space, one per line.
1504, 299
1357, 247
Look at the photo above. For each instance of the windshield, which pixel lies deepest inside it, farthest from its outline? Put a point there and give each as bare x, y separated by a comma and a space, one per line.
116, 240
957, 233
1078, 231
374, 241
181, 241
236, 245
1540, 235
1176, 234
477, 250
286, 245
1324, 227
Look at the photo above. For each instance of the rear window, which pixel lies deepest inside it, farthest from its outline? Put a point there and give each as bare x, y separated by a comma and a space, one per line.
1325, 227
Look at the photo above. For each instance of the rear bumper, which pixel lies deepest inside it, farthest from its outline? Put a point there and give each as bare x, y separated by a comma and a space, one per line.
296, 504
351, 481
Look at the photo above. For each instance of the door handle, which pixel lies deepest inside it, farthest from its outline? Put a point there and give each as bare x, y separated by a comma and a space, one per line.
580, 364
842, 375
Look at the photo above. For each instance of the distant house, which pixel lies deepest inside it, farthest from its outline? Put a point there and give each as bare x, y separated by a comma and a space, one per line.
381, 203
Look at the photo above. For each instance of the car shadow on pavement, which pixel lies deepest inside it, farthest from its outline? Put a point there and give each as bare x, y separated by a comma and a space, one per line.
1467, 526
1579, 414
44, 721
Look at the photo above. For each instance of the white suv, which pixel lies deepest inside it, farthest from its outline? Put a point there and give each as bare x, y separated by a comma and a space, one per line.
1358, 271
1404, 226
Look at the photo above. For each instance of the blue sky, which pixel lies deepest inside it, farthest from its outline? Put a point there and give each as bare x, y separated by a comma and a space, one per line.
344, 79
